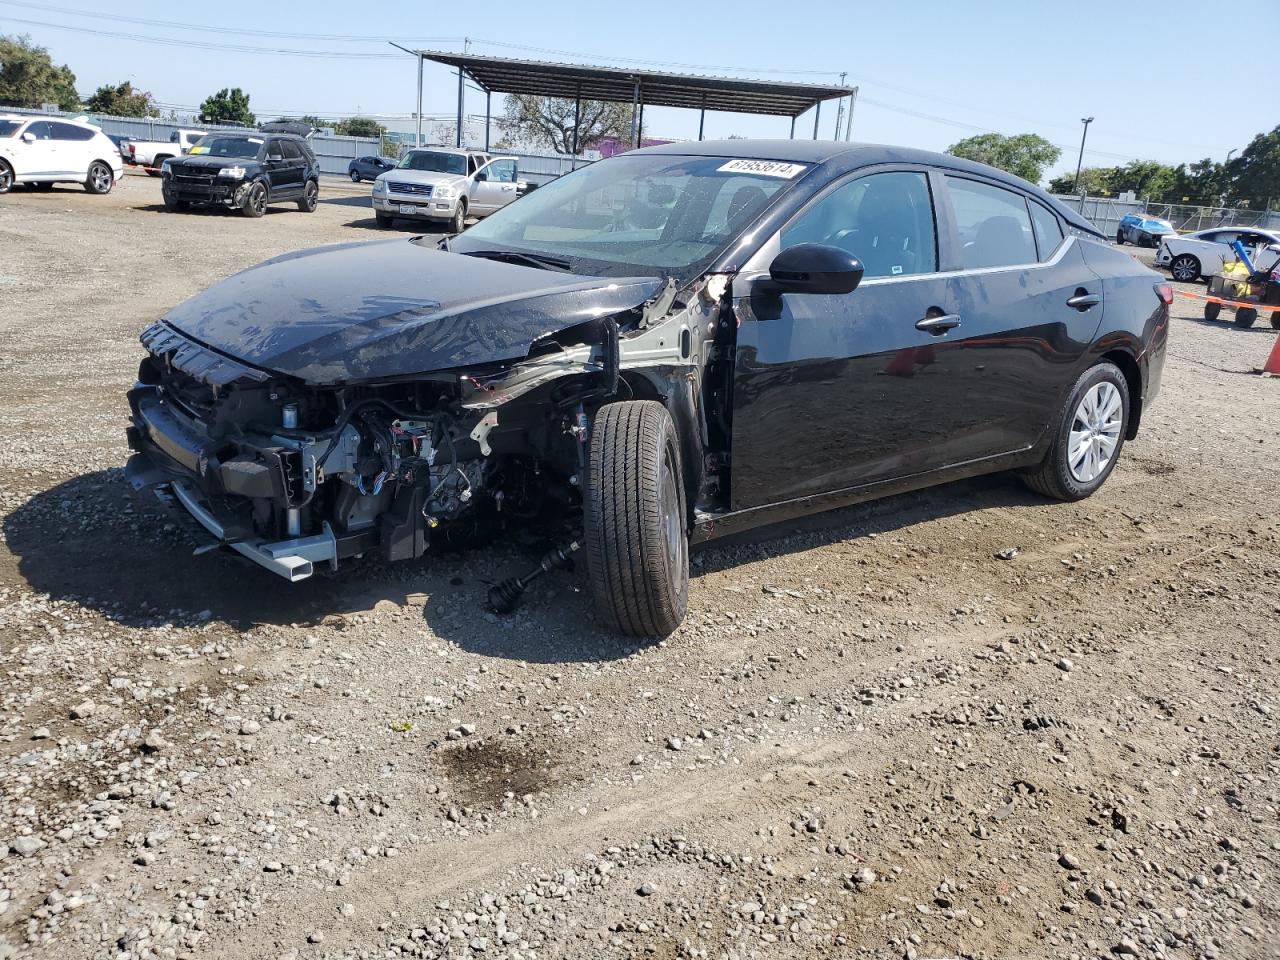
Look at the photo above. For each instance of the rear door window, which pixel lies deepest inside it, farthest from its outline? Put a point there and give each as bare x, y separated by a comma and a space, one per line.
69, 131
993, 223
291, 151
885, 220
1048, 230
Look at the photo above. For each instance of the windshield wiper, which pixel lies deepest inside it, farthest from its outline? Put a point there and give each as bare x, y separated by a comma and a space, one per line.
537, 260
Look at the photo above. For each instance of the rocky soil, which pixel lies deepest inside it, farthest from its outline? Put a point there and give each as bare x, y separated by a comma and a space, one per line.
872, 737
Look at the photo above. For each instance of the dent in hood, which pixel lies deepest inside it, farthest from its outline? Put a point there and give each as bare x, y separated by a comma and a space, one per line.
363, 311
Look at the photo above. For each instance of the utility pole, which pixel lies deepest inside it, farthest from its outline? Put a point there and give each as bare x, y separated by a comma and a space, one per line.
840, 108
1079, 163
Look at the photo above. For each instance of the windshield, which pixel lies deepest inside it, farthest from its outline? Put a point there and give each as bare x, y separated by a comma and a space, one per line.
435, 162
8, 126
636, 215
240, 148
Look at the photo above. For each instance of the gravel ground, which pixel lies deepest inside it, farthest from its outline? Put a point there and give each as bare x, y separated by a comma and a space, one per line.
870, 738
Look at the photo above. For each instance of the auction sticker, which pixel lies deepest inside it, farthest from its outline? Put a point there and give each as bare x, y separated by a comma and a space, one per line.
763, 168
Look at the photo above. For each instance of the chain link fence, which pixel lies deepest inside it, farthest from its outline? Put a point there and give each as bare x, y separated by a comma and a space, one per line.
1105, 213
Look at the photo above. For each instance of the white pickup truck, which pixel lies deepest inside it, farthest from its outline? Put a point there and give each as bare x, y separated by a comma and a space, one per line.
152, 153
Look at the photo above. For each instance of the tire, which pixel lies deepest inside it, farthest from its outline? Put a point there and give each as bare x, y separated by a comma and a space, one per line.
635, 520
355, 177
172, 203
254, 204
1055, 477
310, 197
1212, 311
100, 179
154, 169
1119, 238
1275, 320
1184, 268
383, 220
6, 177
1246, 317
459, 222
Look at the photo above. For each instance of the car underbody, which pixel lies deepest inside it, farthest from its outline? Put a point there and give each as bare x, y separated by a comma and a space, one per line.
293, 474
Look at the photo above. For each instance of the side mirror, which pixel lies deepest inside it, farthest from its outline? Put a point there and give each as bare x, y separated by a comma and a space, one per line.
812, 268
28, 137
481, 177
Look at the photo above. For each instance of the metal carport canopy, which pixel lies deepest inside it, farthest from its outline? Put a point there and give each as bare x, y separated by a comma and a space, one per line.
657, 89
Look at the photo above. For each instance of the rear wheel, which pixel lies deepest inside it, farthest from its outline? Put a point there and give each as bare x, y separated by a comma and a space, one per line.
100, 179
1212, 311
355, 177
310, 197
1275, 320
1185, 268
1120, 237
156, 162
1246, 317
634, 523
255, 200
1090, 434
6, 177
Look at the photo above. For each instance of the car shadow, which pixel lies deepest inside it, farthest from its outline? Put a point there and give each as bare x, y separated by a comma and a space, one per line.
420, 227
95, 541
358, 200
1261, 326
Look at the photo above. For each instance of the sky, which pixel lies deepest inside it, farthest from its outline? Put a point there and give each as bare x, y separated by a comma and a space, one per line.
929, 72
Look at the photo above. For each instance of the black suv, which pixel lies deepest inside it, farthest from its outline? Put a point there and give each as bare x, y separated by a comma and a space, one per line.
245, 172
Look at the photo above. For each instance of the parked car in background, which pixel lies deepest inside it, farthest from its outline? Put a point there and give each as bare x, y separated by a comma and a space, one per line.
1188, 257
151, 154
1137, 228
244, 172
445, 185
42, 151
369, 168
666, 346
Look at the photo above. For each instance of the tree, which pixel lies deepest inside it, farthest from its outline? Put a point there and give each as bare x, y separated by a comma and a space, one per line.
122, 101
1255, 174
548, 122
1201, 183
1025, 155
227, 105
359, 127
28, 77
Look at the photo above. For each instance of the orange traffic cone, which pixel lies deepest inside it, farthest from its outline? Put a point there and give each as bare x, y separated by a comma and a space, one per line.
1272, 367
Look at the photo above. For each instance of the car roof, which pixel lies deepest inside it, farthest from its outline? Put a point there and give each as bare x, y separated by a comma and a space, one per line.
460, 151
845, 157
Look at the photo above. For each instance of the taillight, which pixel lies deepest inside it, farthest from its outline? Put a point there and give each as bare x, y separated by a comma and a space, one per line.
132, 149
1165, 292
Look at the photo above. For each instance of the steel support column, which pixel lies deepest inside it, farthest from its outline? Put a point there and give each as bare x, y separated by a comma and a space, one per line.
488, 117
417, 141
461, 94
793, 128
817, 115
635, 115
577, 117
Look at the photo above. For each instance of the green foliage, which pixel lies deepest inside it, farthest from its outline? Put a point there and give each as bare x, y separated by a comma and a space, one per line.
1147, 179
548, 122
1025, 155
228, 105
122, 101
358, 127
28, 77
1202, 183
1255, 174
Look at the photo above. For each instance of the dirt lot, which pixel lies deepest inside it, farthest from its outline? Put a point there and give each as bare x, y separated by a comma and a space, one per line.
871, 737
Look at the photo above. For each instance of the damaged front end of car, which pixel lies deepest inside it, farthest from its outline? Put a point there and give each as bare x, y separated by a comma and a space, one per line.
309, 467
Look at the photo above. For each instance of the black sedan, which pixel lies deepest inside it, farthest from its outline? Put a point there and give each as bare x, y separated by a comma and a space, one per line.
369, 168
657, 349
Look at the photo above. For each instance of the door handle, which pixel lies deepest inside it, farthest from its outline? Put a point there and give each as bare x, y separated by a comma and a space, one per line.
1083, 301
940, 324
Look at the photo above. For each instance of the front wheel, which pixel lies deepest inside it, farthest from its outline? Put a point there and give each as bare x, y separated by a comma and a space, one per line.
310, 197
459, 221
100, 179
355, 177
1275, 320
172, 203
1212, 311
1090, 432
383, 220
1120, 238
1185, 268
255, 200
635, 520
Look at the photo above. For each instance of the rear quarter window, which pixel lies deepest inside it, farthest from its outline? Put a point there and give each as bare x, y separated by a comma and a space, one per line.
1048, 230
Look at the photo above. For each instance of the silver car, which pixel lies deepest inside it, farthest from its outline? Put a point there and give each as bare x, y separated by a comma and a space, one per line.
446, 185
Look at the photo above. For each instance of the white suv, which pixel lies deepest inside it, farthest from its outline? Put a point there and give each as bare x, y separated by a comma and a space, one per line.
446, 185
46, 150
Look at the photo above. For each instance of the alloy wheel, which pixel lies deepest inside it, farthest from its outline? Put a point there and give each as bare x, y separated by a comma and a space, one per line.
258, 199
101, 178
6, 178
1095, 432
1184, 269
355, 177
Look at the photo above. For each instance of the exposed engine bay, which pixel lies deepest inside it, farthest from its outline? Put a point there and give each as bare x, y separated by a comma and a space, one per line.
294, 474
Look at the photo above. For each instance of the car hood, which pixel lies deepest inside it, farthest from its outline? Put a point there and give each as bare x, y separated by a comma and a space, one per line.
197, 161
392, 308
420, 176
